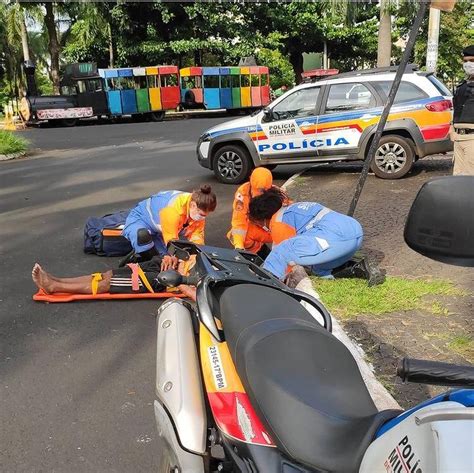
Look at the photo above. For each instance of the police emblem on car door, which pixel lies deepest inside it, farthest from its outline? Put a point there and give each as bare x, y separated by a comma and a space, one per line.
289, 127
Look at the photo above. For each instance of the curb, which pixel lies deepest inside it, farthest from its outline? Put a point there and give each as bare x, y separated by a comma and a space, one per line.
381, 397
6, 157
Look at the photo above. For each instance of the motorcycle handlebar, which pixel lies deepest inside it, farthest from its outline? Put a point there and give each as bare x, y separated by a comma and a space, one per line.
435, 372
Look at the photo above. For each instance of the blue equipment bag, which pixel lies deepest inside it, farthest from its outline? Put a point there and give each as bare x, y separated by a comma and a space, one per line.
103, 235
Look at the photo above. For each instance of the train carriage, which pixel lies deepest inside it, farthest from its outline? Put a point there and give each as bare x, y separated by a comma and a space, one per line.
149, 91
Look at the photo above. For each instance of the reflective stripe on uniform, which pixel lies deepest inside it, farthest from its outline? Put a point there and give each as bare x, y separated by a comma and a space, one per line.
317, 218
150, 214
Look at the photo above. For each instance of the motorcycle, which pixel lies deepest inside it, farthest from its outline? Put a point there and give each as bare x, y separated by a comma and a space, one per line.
249, 380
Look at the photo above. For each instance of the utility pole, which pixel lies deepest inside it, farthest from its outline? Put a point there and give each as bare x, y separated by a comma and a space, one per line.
433, 38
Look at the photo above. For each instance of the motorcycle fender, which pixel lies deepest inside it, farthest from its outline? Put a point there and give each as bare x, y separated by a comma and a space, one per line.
422, 447
178, 377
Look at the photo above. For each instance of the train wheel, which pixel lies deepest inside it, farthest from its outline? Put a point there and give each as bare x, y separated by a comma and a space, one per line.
157, 116
68, 122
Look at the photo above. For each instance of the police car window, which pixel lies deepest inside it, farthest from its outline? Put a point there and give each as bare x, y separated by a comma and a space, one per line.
439, 85
406, 92
301, 103
352, 96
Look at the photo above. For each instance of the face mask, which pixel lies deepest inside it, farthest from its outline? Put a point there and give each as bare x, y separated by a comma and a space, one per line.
468, 68
196, 216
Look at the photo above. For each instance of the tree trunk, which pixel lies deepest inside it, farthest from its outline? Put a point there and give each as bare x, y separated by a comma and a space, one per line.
53, 45
384, 49
24, 37
111, 45
197, 57
296, 60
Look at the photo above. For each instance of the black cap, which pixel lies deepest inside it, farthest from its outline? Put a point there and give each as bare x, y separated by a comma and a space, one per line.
469, 51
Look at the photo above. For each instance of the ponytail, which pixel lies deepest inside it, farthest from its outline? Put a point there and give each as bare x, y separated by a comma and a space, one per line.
205, 199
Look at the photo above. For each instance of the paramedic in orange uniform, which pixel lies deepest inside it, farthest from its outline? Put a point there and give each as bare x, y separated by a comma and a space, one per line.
166, 216
244, 234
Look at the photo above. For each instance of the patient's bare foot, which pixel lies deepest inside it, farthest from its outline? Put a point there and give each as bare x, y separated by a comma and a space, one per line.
42, 279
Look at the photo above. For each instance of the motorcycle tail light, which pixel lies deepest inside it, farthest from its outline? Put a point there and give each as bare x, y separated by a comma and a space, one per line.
229, 403
440, 106
235, 417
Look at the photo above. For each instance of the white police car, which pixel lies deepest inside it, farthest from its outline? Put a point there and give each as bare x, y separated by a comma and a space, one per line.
335, 120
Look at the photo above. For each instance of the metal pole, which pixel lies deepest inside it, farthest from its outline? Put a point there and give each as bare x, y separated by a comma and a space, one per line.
433, 37
391, 96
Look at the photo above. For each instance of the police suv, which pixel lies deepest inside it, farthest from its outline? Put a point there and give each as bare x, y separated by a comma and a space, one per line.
335, 119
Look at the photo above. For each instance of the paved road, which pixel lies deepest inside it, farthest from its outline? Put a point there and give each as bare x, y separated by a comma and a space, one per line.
77, 380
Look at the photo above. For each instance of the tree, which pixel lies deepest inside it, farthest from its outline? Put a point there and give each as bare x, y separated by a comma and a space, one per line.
384, 48
456, 31
54, 45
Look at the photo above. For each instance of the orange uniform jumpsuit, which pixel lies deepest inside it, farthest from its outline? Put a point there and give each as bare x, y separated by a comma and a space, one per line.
244, 234
166, 217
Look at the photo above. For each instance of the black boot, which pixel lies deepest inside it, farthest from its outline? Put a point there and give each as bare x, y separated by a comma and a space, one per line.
362, 267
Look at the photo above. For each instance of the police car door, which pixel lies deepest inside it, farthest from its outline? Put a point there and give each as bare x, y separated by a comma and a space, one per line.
288, 128
348, 108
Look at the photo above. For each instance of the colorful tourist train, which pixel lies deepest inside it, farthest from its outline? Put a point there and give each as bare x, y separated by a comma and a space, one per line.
148, 92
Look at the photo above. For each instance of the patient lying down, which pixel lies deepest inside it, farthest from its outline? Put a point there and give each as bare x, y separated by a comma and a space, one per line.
134, 278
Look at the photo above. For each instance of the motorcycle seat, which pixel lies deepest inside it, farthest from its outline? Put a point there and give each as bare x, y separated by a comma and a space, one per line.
302, 381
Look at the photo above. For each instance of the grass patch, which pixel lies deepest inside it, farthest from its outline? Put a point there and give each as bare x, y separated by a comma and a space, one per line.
350, 297
463, 345
11, 143
438, 309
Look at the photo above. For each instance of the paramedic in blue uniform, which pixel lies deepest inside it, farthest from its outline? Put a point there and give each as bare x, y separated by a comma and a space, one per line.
166, 216
306, 234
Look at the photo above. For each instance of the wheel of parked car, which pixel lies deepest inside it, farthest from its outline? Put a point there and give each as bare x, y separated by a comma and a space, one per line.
232, 164
394, 157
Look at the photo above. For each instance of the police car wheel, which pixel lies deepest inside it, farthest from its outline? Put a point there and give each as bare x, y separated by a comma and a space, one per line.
231, 164
394, 157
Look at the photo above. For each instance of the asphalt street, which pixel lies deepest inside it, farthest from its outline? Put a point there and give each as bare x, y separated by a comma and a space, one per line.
77, 380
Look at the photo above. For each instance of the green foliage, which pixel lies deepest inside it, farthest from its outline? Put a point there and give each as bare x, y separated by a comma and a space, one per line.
463, 345
281, 71
11, 143
43, 82
456, 32
217, 33
351, 297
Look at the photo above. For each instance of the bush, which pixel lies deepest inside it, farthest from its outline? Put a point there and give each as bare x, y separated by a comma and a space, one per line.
11, 143
281, 71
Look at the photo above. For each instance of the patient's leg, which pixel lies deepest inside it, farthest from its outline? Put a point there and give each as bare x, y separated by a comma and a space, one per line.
79, 285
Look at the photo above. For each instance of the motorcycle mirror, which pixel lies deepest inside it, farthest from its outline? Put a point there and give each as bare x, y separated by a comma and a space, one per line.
170, 278
440, 224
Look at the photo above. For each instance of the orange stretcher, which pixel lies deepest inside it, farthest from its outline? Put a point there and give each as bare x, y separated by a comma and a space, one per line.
41, 296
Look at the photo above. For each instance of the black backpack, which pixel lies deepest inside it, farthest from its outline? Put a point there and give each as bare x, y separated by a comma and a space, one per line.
103, 235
